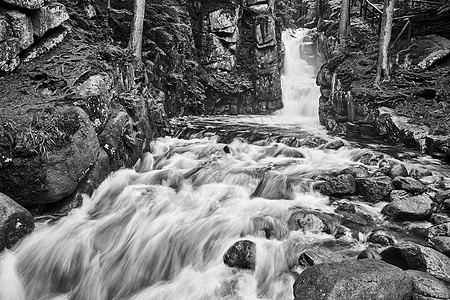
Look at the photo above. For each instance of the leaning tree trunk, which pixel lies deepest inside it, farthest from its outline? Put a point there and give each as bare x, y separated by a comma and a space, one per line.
135, 42
344, 22
383, 69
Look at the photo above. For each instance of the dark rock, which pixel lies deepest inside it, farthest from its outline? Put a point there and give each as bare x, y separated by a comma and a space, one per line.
369, 253
343, 184
374, 189
409, 184
15, 222
370, 158
365, 279
427, 287
241, 255
313, 222
409, 208
441, 196
419, 172
411, 256
382, 237
441, 244
323, 78
265, 31
442, 229
440, 218
319, 255
356, 171
392, 168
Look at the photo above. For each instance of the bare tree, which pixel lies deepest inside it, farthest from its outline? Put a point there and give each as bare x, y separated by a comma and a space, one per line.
135, 42
319, 13
344, 22
383, 69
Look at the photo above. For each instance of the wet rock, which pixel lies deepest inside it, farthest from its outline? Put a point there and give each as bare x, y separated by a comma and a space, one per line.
441, 244
312, 222
392, 168
427, 180
382, 237
15, 222
427, 287
374, 189
409, 208
370, 158
441, 196
241, 255
369, 253
409, 184
442, 229
323, 78
399, 194
411, 256
319, 255
419, 172
440, 218
334, 145
357, 171
28, 4
21, 28
48, 17
343, 184
274, 186
272, 228
365, 279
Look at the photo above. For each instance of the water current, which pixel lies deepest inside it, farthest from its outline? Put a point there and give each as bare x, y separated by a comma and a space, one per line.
160, 230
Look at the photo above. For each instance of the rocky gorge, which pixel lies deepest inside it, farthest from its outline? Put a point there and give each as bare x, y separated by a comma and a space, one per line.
74, 109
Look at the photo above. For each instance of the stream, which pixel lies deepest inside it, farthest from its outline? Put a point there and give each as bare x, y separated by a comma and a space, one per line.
160, 230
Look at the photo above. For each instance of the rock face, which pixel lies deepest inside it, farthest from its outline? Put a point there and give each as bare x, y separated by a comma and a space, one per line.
19, 29
415, 257
364, 279
15, 222
241, 255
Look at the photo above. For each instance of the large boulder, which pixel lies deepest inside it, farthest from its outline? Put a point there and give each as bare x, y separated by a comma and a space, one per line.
343, 184
48, 17
364, 279
21, 28
411, 256
427, 287
374, 189
51, 168
241, 255
15, 222
409, 184
409, 208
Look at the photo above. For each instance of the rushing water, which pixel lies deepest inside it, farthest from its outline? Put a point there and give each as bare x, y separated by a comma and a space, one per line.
160, 229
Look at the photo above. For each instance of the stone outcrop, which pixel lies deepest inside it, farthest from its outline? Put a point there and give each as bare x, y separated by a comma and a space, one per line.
22, 24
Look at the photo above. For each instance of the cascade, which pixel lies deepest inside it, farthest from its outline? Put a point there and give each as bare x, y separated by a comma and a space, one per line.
300, 92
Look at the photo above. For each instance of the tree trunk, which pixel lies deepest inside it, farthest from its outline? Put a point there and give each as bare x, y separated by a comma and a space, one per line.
344, 22
319, 14
383, 70
135, 42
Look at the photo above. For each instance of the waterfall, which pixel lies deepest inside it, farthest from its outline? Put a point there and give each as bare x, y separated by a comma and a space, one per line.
300, 92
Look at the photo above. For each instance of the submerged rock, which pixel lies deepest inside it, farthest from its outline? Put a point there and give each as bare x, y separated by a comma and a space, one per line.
427, 287
15, 222
409, 208
365, 279
415, 257
241, 255
374, 189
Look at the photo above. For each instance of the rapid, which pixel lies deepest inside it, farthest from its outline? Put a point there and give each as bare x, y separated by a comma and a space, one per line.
160, 230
